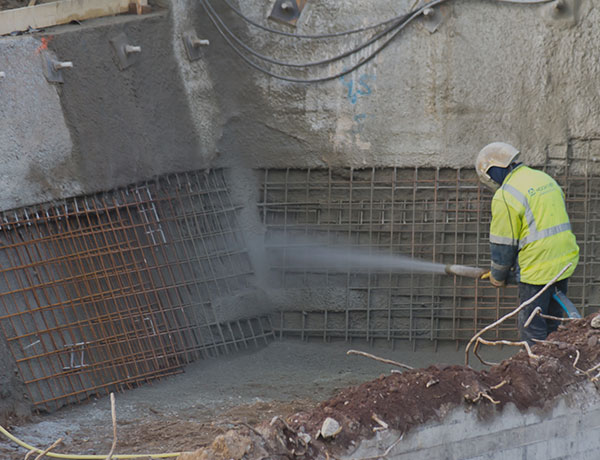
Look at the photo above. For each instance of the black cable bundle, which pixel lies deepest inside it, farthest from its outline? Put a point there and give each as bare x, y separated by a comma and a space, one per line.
392, 28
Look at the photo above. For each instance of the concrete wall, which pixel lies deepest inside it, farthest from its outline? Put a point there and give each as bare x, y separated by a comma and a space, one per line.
103, 127
131, 124
35, 143
492, 71
569, 430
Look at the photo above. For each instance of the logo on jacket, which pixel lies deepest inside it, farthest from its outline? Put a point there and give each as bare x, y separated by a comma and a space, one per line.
543, 189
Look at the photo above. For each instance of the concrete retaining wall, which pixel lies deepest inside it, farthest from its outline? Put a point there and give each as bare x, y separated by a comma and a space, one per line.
569, 430
35, 143
103, 127
491, 71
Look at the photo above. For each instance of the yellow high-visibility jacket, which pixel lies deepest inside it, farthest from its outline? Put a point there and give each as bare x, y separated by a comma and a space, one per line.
529, 214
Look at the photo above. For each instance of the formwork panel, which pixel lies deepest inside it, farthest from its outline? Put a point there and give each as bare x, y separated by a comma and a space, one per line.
440, 215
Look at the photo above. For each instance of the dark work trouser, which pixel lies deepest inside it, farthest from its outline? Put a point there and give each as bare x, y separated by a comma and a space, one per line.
540, 327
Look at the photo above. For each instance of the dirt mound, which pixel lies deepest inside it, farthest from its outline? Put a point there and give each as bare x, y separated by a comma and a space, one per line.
401, 401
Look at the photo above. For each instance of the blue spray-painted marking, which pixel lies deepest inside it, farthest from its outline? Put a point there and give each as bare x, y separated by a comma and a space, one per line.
359, 123
357, 87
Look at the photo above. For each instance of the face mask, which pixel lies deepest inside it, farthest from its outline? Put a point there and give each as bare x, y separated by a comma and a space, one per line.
499, 174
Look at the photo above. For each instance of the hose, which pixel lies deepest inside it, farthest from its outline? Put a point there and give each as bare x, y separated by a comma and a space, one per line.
84, 457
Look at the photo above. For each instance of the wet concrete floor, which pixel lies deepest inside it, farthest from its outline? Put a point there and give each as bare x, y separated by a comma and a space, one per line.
186, 411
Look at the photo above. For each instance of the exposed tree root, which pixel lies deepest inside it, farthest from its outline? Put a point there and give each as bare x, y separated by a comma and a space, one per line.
377, 358
501, 342
511, 314
538, 311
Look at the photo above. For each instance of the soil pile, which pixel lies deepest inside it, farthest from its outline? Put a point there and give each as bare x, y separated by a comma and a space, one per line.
401, 401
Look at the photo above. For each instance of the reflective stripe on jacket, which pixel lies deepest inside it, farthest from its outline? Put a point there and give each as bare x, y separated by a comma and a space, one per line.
529, 212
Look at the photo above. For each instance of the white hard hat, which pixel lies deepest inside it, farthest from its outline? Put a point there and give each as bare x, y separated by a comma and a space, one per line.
498, 154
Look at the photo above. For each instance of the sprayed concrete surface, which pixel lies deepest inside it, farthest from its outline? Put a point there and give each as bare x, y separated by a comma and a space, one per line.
145, 127
103, 127
491, 71
35, 143
284, 376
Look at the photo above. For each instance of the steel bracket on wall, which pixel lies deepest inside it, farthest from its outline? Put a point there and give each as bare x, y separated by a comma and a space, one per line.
127, 54
193, 45
562, 13
53, 68
433, 17
287, 11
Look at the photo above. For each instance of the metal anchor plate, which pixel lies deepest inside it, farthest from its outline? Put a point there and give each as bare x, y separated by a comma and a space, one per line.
125, 59
193, 45
287, 11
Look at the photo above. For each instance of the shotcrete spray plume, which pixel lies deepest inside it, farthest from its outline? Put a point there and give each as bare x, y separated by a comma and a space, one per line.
305, 255
344, 259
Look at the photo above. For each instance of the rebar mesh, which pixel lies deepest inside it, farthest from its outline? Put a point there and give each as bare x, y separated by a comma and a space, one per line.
438, 215
104, 292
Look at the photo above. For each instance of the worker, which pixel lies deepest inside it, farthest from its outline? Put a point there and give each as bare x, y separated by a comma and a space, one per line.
530, 234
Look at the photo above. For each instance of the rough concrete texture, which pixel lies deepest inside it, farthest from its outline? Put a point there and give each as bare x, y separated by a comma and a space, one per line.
491, 71
570, 430
130, 124
35, 144
115, 127
199, 88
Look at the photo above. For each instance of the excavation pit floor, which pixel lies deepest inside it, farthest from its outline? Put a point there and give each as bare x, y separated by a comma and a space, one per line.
186, 411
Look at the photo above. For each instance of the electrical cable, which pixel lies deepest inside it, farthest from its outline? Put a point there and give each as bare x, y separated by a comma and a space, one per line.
308, 64
363, 61
85, 457
346, 32
318, 36
401, 22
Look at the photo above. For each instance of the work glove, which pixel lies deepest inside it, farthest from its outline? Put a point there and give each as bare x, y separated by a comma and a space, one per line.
493, 281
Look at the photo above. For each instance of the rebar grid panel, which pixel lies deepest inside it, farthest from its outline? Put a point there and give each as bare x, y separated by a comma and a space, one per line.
105, 292
438, 215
